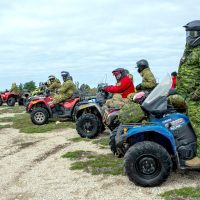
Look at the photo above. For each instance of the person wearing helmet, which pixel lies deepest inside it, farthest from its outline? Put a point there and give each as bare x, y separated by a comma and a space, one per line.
53, 84
188, 79
148, 79
121, 90
14, 88
66, 90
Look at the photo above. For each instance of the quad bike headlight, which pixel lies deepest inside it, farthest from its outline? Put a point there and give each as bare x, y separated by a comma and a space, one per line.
125, 130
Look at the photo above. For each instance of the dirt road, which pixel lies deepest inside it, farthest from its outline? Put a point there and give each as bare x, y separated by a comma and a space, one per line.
31, 167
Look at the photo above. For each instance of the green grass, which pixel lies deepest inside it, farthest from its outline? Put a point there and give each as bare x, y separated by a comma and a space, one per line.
102, 142
76, 154
14, 109
96, 164
24, 124
189, 192
6, 119
5, 126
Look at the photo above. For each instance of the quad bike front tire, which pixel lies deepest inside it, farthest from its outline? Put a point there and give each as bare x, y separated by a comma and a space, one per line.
1, 102
39, 116
147, 164
11, 101
88, 126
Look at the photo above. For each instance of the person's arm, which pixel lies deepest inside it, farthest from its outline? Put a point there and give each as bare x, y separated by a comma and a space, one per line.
124, 84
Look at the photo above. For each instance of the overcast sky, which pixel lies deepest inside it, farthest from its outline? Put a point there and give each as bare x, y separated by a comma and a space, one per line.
90, 38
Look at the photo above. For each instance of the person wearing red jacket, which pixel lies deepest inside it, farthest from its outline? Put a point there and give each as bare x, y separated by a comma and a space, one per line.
121, 90
173, 75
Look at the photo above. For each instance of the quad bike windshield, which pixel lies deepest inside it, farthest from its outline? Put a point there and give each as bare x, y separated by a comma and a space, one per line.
156, 102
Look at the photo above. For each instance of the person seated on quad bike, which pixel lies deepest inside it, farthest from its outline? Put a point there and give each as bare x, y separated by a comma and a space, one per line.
66, 90
121, 90
148, 79
40, 90
53, 84
14, 89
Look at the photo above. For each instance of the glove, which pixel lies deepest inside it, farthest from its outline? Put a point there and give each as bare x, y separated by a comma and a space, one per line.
104, 88
139, 87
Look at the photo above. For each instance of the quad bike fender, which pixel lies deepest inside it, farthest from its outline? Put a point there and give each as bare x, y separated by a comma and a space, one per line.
138, 131
81, 108
40, 102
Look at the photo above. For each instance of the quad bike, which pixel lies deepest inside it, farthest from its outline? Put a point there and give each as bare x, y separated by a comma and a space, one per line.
41, 108
9, 98
91, 118
152, 149
23, 98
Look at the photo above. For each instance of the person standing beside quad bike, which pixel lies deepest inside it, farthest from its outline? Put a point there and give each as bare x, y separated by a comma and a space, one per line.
188, 79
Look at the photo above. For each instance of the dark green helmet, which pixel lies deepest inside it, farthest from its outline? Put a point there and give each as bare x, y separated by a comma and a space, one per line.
66, 76
193, 33
142, 64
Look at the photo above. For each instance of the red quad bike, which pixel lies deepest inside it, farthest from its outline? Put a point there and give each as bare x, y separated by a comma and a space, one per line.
42, 108
9, 98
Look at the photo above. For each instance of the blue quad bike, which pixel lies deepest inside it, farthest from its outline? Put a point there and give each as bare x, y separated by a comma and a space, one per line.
151, 150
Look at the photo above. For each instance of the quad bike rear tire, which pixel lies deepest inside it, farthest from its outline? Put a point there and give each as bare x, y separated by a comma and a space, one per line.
147, 164
88, 126
1, 102
39, 116
11, 101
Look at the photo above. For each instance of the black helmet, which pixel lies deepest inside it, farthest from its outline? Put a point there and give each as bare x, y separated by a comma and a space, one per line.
51, 78
142, 64
119, 73
193, 33
65, 75
174, 74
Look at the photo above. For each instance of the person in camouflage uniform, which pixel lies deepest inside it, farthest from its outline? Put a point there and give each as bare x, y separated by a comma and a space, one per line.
53, 84
188, 80
148, 79
66, 90
14, 88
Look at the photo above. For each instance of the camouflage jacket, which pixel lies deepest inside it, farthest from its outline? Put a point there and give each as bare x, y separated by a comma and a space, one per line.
53, 86
67, 89
188, 80
148, 79
14, 88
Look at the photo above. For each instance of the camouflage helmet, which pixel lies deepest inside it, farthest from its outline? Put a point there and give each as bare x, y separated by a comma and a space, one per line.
142, 64
193, 33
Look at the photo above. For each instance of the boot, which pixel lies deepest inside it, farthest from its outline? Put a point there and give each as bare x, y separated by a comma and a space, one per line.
194, 162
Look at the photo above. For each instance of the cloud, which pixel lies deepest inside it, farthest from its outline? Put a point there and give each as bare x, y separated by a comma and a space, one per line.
90, 38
